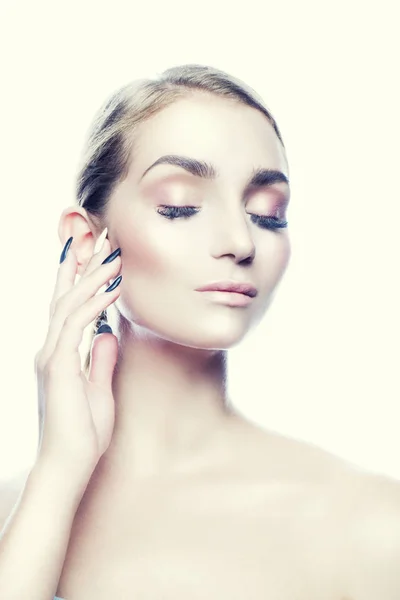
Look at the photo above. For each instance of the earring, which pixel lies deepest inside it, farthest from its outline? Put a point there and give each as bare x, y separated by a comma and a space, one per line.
101, 319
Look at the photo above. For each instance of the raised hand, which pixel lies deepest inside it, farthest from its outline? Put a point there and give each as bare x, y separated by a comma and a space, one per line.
76, 413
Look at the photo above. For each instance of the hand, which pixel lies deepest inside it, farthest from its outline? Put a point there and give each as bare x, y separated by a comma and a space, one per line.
76, 413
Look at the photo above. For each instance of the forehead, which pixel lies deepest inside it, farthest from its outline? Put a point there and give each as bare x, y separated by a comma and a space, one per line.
233, 136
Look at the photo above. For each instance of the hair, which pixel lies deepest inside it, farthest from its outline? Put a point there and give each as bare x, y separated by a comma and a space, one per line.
110, 140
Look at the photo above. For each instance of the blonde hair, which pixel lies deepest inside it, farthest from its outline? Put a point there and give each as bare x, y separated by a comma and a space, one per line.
110, 141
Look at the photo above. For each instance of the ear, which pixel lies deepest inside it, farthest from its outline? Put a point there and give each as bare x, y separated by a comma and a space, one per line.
75, 222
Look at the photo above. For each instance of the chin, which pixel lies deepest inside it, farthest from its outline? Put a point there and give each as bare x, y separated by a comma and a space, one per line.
213, 330
203, 336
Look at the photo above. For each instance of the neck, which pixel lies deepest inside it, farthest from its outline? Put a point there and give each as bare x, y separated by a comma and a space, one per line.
170, 406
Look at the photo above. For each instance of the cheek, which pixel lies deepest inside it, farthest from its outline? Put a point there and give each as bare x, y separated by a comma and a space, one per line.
154, 257
145, 269
283, 253
143, 252
275, 258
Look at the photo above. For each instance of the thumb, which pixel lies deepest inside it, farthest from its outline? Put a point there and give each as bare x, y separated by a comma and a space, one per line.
104, 354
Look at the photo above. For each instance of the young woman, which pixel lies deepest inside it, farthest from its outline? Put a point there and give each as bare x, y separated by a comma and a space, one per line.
147, 483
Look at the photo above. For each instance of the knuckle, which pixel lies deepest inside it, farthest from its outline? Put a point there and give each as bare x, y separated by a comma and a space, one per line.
52, 366
55, 308
70, 321
59, 303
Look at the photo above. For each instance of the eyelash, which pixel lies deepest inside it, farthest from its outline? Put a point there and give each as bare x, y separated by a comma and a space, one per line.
176, 212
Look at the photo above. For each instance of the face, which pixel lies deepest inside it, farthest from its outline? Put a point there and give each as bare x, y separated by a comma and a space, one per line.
168, 253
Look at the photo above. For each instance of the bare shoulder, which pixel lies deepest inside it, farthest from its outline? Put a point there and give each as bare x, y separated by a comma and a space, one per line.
305, 462
359, 494
372, 537
285, 458
364, 510
360, 512
10, 490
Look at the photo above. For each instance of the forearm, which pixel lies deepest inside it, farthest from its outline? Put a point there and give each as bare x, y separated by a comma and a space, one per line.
34, 541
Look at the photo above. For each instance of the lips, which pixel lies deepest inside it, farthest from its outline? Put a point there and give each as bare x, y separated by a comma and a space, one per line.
229, 286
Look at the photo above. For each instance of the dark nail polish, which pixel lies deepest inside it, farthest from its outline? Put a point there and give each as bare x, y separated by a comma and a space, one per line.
65, 249
104, 329
111, 256
114, 284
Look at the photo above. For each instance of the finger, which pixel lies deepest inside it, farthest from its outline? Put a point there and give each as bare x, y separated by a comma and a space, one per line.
65, 277
103, 357
80, 294
100, 240
67, 271
66, 350
102, 249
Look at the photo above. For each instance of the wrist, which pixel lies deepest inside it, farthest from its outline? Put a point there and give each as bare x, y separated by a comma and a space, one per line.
60, 481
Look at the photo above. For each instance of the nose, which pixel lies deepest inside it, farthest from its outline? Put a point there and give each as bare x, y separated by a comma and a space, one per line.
232, 237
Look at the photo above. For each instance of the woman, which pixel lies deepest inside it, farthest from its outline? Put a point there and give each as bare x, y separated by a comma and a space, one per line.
148, 484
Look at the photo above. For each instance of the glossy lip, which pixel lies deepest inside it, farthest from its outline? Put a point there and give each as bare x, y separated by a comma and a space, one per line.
228, 298
230, 286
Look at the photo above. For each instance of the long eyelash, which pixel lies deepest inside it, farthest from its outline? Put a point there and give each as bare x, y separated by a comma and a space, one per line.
176, 212
269, 222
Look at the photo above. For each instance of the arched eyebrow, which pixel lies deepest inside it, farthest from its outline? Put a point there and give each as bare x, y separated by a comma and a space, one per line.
200, 168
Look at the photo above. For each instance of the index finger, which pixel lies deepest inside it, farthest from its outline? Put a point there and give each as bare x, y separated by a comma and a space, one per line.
67, 271
65, 275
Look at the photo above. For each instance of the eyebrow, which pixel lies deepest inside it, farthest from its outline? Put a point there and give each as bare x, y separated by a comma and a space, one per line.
200, 168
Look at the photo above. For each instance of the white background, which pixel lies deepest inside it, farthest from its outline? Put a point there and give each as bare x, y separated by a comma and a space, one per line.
324, 365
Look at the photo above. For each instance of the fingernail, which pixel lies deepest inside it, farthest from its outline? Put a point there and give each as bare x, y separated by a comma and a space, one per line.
100, 241
104, 329
111, 256
65, 249
114, 284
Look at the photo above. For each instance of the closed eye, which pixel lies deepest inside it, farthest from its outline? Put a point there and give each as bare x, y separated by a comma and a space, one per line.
269, 222
176, 212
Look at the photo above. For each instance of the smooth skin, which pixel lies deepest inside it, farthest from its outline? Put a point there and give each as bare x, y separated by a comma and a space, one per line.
185, 498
